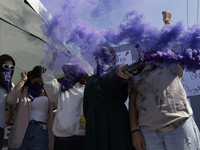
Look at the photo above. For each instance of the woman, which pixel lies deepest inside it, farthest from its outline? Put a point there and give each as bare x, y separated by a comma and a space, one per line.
7, 66
33, 116
107, 125
68, 96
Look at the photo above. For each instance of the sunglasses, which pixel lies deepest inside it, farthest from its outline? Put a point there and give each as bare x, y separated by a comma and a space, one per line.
38, 83
5, 66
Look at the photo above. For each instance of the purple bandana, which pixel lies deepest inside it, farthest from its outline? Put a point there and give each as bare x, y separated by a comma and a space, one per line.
34, 90
7, 76
101, 70
71, 76
104, 63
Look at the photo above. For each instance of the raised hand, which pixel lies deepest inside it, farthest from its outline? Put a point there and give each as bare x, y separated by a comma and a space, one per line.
24, 75
124, 75
55, 56
167, 17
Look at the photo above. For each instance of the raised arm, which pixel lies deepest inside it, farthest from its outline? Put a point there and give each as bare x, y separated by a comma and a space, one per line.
167, 17
19, 86
51, 85
13, 96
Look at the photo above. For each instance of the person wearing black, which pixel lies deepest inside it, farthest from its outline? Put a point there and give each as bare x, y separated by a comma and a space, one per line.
107, 121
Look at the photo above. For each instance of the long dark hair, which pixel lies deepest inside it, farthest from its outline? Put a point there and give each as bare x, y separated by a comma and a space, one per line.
83, 77
35, 73
3, 59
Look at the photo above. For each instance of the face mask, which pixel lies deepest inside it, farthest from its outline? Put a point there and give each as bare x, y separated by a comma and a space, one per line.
104, 63
102, 68
71, 76
7, 76
34, 90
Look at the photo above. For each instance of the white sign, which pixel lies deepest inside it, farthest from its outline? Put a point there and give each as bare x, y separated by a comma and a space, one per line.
7, 131
191, 83
124, 57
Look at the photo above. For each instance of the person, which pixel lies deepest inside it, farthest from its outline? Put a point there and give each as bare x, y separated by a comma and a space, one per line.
159, 112
33, 117
7, 64
107, 122
68, 96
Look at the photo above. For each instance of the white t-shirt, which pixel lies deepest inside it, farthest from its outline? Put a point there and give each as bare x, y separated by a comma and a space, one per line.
39, 109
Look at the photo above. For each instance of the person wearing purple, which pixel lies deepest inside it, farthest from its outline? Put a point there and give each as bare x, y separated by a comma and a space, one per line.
33, 117
68, 96
7, 66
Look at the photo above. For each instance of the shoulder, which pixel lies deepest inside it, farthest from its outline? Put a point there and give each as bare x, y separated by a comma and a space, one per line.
92, 77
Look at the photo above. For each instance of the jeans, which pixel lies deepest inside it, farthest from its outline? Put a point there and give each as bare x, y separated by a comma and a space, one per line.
36, 137
185, 137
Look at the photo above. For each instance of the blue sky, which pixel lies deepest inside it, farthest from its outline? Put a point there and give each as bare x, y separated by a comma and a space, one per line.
153, 8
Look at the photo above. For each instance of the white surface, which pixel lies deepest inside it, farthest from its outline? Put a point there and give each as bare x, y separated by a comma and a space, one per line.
191, 83
124, 57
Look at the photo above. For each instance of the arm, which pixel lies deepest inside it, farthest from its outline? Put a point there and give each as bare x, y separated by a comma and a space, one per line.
166, 17
51, 85
121, 74
137, 138
19, 86
13, 96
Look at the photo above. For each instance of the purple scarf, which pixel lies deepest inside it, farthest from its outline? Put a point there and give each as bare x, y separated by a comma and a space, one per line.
104, 63
34, 90
71, 76
7, 76
101, 70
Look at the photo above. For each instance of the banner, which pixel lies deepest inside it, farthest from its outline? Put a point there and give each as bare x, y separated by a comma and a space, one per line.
124, 57
191, 83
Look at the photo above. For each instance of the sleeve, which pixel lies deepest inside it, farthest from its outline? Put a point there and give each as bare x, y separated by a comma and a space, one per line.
51, 85
13, 97
85, 102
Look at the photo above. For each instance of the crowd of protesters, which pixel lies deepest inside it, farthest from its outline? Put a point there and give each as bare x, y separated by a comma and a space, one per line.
90, 110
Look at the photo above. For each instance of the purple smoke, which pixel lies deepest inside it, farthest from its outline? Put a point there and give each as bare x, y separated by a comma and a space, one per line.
189, 59
79, 23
